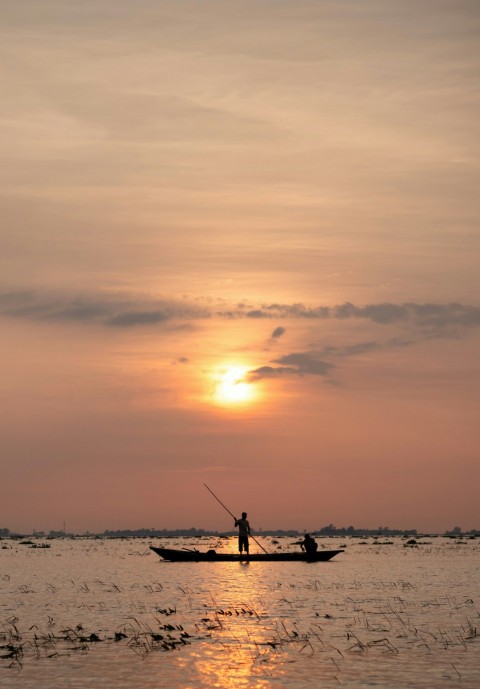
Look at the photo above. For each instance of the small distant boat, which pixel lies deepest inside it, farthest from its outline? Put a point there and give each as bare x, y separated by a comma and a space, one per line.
185, 555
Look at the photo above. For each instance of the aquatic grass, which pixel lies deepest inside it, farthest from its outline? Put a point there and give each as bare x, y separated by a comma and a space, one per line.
140, 636
144, 638
13, 653
108, 587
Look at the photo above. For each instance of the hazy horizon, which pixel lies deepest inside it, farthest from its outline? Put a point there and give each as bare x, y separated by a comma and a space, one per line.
240, 246
358, 532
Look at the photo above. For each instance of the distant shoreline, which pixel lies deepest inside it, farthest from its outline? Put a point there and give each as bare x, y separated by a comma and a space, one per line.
325, 532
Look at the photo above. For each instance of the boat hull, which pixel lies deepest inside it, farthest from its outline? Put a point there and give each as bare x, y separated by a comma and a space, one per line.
173, 555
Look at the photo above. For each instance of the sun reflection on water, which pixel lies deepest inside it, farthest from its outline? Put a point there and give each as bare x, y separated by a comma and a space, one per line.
234, 613
240, 670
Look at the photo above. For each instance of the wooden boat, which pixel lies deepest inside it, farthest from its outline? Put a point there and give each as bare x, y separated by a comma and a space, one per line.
185, 555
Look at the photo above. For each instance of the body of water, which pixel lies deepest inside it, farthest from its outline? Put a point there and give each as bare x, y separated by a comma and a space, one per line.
109, 613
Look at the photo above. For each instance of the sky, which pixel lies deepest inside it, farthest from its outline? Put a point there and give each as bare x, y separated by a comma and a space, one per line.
239, 245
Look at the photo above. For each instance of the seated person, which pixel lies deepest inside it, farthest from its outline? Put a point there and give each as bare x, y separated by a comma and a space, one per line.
308, 544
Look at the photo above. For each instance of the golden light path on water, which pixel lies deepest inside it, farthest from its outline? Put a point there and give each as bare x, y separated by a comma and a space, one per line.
236, 640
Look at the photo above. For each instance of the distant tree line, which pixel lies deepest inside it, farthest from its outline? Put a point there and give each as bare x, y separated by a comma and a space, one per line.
329, 531
332, 530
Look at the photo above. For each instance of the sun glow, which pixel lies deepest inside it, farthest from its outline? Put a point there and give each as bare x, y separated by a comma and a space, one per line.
232, 388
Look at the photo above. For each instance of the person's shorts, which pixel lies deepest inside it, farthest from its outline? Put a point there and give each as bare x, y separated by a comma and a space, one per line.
243, 543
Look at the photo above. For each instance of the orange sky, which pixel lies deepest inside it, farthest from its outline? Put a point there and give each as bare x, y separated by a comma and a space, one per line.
285, 190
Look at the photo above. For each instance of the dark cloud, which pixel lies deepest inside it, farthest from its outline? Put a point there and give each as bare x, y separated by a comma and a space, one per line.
293, 311
295, 364
131, 311
351, 350
278, 332
104, 309
29, 305
312, 363
424, 315
269, 372
379, 313
437, 319
130, 319
305, 363
256, 313
364, 347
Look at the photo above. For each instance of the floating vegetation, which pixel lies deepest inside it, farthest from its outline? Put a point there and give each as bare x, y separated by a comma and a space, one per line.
17, 645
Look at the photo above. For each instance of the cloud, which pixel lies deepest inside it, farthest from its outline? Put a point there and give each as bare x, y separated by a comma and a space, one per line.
351, 350
132, 311
305, 363
268, 372
312, 363
105, 309
295, 364
132, 318
364, 347
424, 315
277, 333
257, 313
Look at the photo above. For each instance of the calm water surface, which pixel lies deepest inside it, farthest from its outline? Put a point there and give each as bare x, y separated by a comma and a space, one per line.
108, 613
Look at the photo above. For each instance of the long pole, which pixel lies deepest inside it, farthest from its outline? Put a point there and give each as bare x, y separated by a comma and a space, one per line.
232, 515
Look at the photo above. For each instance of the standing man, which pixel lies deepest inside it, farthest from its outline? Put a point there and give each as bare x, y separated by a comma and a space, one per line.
243, 533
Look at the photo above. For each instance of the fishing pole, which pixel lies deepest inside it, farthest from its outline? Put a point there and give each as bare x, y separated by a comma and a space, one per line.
232, 515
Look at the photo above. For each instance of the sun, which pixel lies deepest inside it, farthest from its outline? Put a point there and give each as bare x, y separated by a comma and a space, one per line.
232, 388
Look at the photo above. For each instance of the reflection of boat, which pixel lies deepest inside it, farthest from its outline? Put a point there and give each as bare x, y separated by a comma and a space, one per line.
212, 556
